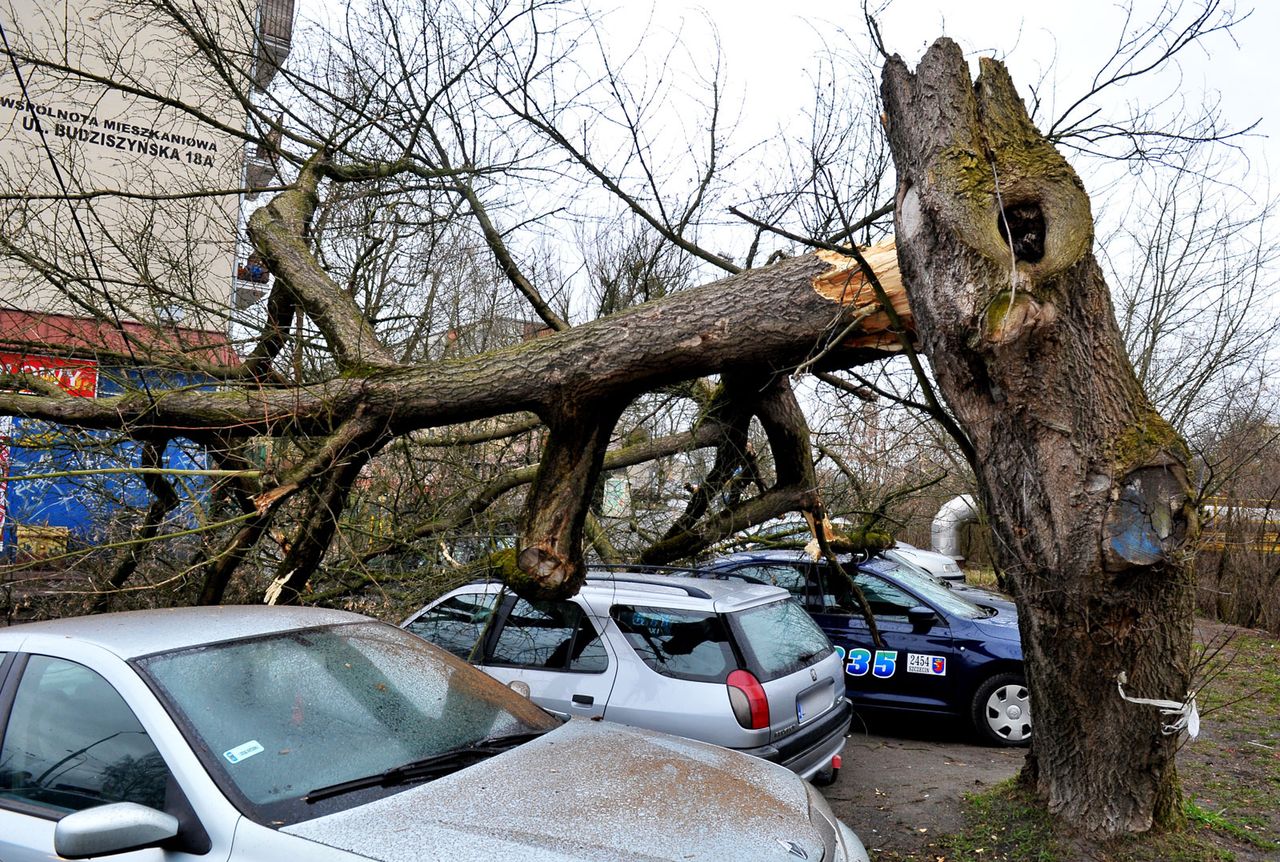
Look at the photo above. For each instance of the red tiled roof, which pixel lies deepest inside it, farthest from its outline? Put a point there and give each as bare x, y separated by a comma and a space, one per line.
65, 335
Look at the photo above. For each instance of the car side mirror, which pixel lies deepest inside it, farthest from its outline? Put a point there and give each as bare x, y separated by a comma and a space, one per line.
115, 828
520, 687
921, 617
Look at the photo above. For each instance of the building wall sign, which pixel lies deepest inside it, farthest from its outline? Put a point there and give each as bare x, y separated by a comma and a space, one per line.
120, 161
86, 128
75, 376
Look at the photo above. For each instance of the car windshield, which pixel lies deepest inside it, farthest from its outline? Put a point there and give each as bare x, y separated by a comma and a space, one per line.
927, 588
278, 716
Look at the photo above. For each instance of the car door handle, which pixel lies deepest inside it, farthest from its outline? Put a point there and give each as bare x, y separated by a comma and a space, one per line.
583, 699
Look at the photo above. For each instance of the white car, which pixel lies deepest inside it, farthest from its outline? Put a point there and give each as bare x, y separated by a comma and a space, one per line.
260, 734
938, 565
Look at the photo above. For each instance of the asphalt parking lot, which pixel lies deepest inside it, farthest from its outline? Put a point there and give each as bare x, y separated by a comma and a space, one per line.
899, 791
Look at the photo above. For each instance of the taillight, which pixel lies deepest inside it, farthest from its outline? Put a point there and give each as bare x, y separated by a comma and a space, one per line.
748, 700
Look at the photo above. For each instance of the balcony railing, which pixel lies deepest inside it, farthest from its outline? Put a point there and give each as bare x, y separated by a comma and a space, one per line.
273, 40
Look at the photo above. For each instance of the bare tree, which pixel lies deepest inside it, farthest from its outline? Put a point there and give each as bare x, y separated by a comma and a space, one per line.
414, 143
1194, 262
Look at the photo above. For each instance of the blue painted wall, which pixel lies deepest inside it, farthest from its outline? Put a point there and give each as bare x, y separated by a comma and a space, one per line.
94, 509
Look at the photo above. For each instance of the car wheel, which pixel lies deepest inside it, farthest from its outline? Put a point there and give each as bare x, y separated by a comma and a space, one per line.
1002, 710
825, 777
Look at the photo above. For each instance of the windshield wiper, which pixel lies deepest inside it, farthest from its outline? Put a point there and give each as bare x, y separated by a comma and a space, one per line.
426, 768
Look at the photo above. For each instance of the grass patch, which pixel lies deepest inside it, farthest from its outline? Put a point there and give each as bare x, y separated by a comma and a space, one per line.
1244, 830
1005, 823
1230, 777
982, 577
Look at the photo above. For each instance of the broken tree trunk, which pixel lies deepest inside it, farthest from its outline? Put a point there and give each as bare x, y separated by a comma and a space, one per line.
813, 310
1085, 483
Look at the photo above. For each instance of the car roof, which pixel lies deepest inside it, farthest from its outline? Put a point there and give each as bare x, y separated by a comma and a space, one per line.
129, 634
677, 591
641, 588
789, 555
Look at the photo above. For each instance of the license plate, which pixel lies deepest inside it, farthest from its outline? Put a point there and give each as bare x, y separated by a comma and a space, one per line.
814, 701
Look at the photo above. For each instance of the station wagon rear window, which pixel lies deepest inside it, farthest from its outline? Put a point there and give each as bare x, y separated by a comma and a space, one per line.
779, 638
682, 644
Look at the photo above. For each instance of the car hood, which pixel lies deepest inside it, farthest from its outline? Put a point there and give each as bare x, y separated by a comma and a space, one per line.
986, 598
1003, 625
587, 790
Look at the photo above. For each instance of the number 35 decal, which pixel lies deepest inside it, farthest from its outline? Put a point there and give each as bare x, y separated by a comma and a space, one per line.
859, 661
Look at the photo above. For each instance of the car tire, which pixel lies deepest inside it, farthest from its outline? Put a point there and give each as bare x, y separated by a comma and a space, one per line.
1001, 710
825, 777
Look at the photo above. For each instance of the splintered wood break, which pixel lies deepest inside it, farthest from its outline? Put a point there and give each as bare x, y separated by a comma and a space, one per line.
844, 283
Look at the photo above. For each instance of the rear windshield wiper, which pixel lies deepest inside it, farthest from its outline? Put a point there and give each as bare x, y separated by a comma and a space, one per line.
426, 768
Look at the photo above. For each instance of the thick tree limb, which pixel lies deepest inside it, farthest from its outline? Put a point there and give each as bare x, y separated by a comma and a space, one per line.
815, 309
279, 232
795, 487
769, 317
773, 503
550, 558
731, 408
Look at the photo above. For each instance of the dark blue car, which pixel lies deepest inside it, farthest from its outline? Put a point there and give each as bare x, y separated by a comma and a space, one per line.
944, 651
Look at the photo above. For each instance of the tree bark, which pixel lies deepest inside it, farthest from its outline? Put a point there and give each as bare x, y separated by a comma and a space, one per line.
1085, 483
774, 317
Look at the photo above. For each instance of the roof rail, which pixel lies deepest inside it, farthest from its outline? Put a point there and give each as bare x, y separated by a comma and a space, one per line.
692, 592
647, 568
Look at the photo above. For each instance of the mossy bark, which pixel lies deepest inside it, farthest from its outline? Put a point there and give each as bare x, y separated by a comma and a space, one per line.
1085, 485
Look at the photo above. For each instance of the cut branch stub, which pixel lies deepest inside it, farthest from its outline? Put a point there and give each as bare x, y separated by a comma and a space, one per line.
1148, 520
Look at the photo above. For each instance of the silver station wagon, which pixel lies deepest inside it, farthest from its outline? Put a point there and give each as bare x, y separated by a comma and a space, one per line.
260, 734
735, 664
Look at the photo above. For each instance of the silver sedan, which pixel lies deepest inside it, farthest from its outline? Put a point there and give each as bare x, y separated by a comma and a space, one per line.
280, 734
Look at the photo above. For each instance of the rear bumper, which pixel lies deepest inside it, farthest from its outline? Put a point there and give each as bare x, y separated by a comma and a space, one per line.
808, 751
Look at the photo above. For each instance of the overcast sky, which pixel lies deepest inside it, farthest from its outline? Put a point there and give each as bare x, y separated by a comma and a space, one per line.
769, 46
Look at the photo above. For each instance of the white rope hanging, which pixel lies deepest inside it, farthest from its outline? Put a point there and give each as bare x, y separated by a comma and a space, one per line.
1188, 715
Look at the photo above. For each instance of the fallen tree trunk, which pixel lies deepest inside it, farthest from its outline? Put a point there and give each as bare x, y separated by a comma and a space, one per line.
773, 318
815, 310
1085, 484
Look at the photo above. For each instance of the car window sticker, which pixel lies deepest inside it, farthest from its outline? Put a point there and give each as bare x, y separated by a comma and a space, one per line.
243, 752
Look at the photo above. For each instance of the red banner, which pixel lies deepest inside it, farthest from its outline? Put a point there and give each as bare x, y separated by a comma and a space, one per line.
75, 376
